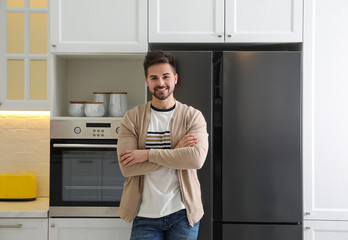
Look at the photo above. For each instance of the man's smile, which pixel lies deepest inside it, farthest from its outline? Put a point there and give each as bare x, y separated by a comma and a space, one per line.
161, 89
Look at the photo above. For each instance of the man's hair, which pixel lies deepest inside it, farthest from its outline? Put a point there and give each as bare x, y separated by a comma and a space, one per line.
157, 57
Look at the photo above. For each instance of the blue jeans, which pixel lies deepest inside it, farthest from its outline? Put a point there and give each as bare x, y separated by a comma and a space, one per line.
172, 227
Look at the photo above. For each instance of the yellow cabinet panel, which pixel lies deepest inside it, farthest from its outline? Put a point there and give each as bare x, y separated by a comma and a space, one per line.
38, 3
15, 79
15, 3
38, 80
15, 32
38, 33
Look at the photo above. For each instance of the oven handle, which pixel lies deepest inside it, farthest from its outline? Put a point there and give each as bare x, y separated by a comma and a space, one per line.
71, 145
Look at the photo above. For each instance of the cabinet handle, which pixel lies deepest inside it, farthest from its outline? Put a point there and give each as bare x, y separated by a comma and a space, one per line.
54, 45
307, 213
53, 225
229, 35
73, 145
11, 226
220, 35
308, 228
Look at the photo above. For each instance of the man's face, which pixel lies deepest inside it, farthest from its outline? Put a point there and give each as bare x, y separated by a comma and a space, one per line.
161, 80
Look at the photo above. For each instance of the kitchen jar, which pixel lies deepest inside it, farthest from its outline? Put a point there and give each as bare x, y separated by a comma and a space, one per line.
118, 104
94, 109
104, 98
77, 108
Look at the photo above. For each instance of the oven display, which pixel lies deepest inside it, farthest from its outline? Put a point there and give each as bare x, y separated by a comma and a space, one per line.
98, 125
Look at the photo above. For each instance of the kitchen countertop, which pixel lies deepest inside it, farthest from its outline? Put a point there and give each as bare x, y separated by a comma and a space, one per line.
26, 209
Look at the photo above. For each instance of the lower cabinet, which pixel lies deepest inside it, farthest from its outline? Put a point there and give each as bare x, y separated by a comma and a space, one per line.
88, 229
325, 230
19, 229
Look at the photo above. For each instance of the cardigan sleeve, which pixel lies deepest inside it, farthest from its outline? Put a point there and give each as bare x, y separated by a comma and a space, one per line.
128, 140
186, 157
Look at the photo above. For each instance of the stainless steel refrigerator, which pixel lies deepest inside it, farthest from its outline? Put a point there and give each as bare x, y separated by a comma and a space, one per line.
252, 179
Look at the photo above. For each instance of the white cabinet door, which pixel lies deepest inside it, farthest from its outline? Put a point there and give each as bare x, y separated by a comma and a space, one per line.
325, 230
186, 21
101, 26
263, 20
325, 110
243, 21
24, 56
19, 229
88, 229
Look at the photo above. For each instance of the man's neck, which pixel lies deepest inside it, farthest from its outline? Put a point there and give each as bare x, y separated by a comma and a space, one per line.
163, 104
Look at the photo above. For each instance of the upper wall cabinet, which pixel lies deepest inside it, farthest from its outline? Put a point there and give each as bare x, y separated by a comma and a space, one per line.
24, 55
214, 21
186, 21
98, 26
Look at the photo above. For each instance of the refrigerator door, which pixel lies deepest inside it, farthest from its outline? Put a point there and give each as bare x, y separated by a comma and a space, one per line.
261, 166
194, 88
261, 232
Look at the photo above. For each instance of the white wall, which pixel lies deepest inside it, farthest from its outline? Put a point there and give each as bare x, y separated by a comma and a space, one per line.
24, 147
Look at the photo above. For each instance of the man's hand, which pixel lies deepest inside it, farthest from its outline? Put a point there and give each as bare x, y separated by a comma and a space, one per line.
188, 140
130, 157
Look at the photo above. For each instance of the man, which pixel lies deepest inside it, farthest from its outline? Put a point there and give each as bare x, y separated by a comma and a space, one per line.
160, 146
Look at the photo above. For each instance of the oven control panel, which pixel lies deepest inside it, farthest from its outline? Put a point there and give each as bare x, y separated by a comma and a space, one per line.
85, 128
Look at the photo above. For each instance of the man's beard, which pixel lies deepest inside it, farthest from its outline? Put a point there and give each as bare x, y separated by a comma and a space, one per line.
161, 97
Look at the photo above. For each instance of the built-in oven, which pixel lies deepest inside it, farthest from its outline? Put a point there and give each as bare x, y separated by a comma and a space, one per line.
85, 178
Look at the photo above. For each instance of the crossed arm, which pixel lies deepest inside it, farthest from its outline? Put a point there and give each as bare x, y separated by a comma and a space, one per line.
189, 153
130, 157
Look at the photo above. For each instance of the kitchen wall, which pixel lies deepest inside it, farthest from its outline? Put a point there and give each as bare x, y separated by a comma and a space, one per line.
24, 146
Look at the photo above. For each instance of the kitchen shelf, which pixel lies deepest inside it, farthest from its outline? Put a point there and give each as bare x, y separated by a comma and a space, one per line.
76, 77
87, 118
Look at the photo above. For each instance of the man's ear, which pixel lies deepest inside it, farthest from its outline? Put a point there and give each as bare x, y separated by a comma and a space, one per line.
146, 81
176, 78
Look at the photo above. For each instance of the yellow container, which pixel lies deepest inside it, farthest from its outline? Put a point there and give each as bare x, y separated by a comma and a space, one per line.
18, 187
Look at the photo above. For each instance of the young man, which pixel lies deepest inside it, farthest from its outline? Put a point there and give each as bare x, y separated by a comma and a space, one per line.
161, 145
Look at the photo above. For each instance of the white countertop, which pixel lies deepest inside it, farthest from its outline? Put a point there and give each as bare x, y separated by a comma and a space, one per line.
26, 209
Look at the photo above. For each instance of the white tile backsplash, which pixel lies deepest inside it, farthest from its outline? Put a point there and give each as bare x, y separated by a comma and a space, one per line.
24, 147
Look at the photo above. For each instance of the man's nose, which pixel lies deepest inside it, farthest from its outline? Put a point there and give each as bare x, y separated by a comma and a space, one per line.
161, 81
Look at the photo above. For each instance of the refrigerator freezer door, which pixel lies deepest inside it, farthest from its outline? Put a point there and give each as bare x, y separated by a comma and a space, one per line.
261, 166
261, 232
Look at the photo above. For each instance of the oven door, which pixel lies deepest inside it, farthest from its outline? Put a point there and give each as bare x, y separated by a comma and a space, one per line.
85, 178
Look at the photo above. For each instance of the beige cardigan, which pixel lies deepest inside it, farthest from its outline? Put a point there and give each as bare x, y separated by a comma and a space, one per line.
133, 135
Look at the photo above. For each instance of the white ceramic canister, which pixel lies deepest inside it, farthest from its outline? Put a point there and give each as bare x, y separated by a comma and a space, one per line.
94, 109
118, 104
77, 109
104, 98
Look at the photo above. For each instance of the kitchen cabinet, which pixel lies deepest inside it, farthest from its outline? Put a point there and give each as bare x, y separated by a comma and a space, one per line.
88, 229
218, 21
98, 26
24, 59
18, 229
76, 77
325, 230
325, 112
